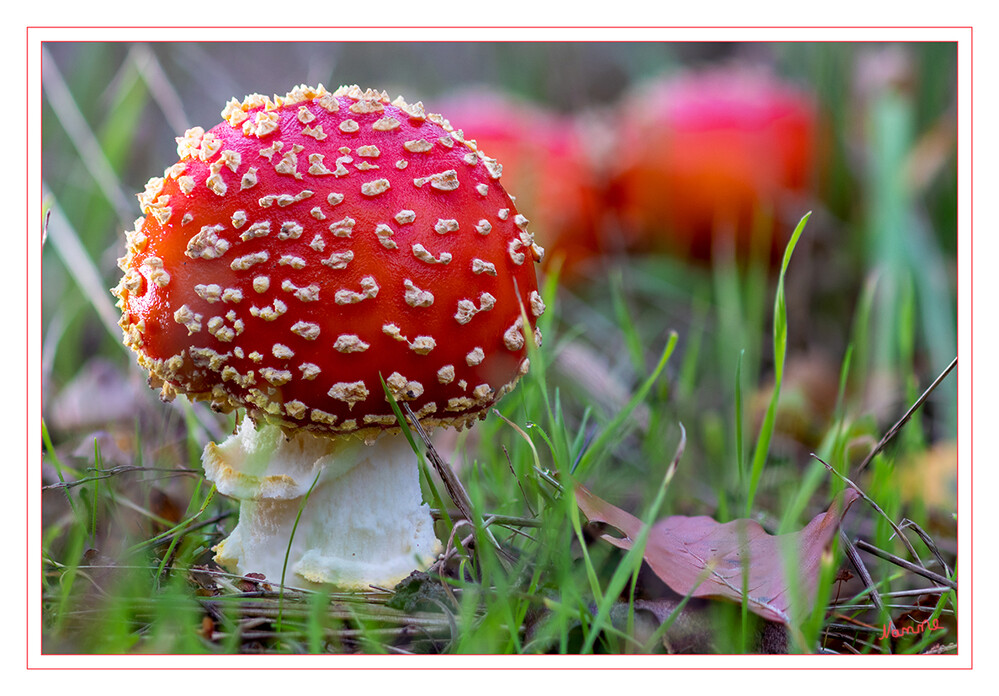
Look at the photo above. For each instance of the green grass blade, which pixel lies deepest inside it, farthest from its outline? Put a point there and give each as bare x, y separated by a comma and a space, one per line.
291, 539
632, 561
66, 243
780, 352
632, 339
88, 146
740, 445
611, 431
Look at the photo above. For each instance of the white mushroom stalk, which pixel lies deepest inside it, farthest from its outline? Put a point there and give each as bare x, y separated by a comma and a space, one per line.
364, 522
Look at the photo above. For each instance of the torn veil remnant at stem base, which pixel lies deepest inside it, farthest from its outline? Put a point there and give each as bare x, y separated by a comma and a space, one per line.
336, 539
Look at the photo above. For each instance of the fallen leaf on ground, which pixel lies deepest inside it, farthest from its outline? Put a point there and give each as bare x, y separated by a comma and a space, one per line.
705, 558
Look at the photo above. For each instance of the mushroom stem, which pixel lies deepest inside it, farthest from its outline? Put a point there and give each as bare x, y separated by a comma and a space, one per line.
364, 522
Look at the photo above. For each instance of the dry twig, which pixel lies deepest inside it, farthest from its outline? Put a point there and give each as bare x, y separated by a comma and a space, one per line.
893, 431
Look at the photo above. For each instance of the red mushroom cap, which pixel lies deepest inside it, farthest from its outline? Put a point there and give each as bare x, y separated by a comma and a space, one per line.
710, 148
311, 245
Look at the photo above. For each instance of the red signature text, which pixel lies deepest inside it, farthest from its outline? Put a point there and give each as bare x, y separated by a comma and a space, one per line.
910, 630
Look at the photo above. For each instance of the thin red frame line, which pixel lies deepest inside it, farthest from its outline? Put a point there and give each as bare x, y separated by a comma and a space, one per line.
475, 26
971, 338
971, 307
27, 341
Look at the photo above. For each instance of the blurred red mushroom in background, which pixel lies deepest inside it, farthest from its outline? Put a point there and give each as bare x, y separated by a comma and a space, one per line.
706, 155
547, 160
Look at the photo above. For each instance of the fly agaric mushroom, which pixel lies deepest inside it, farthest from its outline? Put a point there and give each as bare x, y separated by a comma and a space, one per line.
299, 253
702, 154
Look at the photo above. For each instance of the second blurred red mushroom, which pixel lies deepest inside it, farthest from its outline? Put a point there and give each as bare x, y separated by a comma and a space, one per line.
548, 160
704, 156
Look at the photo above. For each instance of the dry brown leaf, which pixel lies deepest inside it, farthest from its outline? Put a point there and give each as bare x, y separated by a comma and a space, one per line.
705, 558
